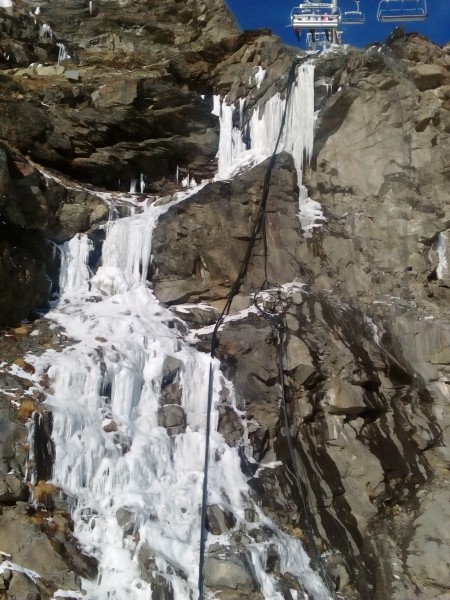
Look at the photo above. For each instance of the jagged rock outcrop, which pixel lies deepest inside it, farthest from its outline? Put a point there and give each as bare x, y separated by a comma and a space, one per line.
128, 104
197, 255
366, 334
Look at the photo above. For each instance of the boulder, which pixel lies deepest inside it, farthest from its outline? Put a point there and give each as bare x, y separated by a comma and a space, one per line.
173, 418
199, 245
12, 489
234, 573
345, 399
219, 519
170, 369
122, 93
50, 71
427, 77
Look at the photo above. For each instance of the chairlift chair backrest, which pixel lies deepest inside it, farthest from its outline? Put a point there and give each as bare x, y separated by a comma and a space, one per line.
401, 10
315, 15
353, 17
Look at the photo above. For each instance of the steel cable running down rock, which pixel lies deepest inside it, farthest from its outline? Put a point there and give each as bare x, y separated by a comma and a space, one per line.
277, 322
258, 227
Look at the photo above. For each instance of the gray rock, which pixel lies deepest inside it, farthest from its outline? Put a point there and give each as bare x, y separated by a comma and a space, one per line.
173, 418
12, 489
50, 71
75, 217
162, 588
197, 316
219, 519
443, 455
429, 549
230, 425
231, 573
345, 399
125, 516
22, 587
170, 369
72, 75
112, 94
12, 434
195, 257
55, 559
427, 77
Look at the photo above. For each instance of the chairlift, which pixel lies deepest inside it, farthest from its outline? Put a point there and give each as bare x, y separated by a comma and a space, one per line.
353, 17
402, 10
314, 15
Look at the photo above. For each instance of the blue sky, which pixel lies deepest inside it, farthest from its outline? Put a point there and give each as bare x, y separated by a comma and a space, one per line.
274, 14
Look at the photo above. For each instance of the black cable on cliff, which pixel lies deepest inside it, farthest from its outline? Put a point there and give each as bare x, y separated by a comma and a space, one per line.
258, 226
277, 323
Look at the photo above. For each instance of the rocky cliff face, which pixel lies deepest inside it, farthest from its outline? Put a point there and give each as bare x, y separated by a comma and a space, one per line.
366, 327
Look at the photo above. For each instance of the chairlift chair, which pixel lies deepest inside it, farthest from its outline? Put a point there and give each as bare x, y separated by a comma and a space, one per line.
402, 10
319, 39
353, 17
314, 15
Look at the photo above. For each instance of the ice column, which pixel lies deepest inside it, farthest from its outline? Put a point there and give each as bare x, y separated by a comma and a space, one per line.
298, 132
231, 145
440, 247
74, 270
265, 125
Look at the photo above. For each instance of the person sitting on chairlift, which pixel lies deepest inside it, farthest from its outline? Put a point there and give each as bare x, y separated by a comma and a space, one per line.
327, 31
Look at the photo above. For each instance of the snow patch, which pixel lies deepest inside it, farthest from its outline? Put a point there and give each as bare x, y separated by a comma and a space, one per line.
7, 564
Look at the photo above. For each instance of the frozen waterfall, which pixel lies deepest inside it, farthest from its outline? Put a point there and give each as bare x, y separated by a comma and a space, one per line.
264, 126
135, 486
262, 132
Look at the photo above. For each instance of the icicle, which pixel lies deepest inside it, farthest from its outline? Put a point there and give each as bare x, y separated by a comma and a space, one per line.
264, 127
30, 473
241, 112
90, 7
259, 76
133, 185
231, 145
216, 106
310, 213
45, 31
62, 53
142, 183
74, 272
186, 182
440, 247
